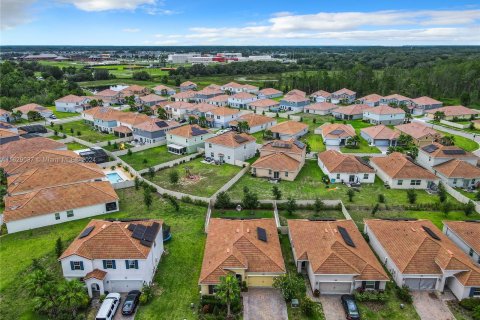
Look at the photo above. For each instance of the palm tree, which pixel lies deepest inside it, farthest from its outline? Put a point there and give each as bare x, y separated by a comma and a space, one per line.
448, 140
72, 296
404, 140
439, 115
162, 114
202, 121
228, 291
243, 126
408, 117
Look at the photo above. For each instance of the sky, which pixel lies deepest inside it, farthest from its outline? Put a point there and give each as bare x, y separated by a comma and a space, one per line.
247, 22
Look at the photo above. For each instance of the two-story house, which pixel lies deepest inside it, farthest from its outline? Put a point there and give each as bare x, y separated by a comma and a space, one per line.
344, 96
241, 100
231, 147
187, 139
384, 115
221, 117
72, 103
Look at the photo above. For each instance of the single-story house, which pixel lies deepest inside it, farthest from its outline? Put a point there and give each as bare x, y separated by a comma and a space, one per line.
458, 173
454, 112
399, 172
153, 130
395, 99
29, 145
419, 256
335, 256
184, 96
5, 116
321, 108
269, 93
249, 249
151, 99
435, 153
114, 256
280, 160
380, 135
207, 93
465, 235
72, 103
351, 112
135, 91
188, 85
294, 102
219, 101
384, 115
344, 96
255, 122
231, 147
264, 105
221, 117
108, 97
421, 134
234, 87
163, 90
289, 129
241, 100
25, 109
336, 134
187, 139
320, 96
372, 100
345, 168
421, 104
45, 159
296, 92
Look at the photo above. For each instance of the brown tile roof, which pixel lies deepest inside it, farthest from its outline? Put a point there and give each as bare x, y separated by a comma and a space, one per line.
296, 92
381, 110
283, 146
294, 97
343, 163
104, 113
122, 129
442, 151
354, 109
110, 240
213, 86
23, 161
180, 105
452, 111
184, 95
397, 166
132, 118
203, 107
277, 161
270, 91
4, 133
415, 252
210, 91
468, 231
31, 107
344, 91
57, 199
381, 132
322, 245
321, 93
396, 96
231, 139
133, 89
337, 130
289, 127
425, 101
2, 112
152, 125
235, 244
96, 274
187, 131
263, 103
416, 130
161, 87
253, 119
32, 144
107, 93
71, 98
219, 98
322, 106
243, 96
458, 169
224, 111
371, 98
152, 98
188, 83
53, 175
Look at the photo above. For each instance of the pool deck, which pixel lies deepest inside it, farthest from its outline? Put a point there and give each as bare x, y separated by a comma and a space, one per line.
121, 172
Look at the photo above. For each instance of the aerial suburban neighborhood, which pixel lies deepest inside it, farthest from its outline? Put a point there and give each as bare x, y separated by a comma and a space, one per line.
274, 178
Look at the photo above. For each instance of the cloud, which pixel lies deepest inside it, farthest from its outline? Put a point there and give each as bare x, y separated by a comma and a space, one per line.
104, 5
131, 30
14, 13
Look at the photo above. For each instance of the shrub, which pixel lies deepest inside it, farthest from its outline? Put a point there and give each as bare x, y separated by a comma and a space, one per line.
223, 200
174, 177
186, 199
373, 296
476, 313
290, 285
147, 295
350, 194
308, 307
470, 303
403, 294
316, 293
381, 198
129, 152
469, 208
412, 196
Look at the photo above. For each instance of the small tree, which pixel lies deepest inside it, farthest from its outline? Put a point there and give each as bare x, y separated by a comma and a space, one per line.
147, 197
350, 194
144, 161
381, 198
72, 296
290, 285
151, 172
72, 131
115, 146
174, 177
223, 200
137, 183
228, 292
277, 194
318, 205
446, 207
129, 152
442, 192
174, 203
375, 209
250, 199
469, 208
412, 196
59, 247
291, 206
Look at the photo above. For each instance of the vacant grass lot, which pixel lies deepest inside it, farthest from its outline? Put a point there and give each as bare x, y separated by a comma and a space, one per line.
154, 156
174, 293
87, 133
249, 214
62, 115
210, 177
308, 214
119, 146
75, 146
309, 185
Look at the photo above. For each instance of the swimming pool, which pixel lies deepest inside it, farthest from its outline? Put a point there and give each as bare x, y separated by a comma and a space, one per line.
114, 177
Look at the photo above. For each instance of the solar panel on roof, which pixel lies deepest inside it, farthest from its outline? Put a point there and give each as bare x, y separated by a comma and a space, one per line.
346, 236
151, 232
430, 148
431, 233
281, 144
131, 227
86, 232
299, 144
262, 234
146, 243
337, 132
239, 139
453, 152
197, 132
161, 124
139, 232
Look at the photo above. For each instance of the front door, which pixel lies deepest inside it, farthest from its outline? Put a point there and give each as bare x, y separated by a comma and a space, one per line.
276, 175
351, 178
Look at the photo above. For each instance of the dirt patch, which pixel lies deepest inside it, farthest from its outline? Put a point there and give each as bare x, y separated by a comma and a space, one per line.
374, 306
193, 179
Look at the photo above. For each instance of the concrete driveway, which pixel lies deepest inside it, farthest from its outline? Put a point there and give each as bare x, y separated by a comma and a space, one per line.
119, 315
264, 304
431, 307
332, 307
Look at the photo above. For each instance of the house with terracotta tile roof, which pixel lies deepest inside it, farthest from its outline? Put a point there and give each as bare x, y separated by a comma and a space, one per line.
335, 256
380, 135
5, 116
221, 117
280, 160
344, 96
433, 154
458, 174
400, 172
162, 90
72, 103
351, 112
384, 115
184, 96
395, 99
321, 108
465, 235
134, 90
264, 105
154, 130
178, 110
372, 100
255, 122
320, 96
335, 134
294, 101
33, 107
289, 130
7, 135
114, 256
418, 255
219, 101
108, 97
248, 248
22, 160
151, 99
231, 147
345, 168
454, 112
207, 93
188, 85
421, 104
421, 134
199, 110
30, 145
187, 139
269, 93
241, 100
234, 87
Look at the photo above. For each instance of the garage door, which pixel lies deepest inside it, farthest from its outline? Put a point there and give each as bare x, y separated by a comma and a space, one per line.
260, 281
421, 283
125, 285
335, 287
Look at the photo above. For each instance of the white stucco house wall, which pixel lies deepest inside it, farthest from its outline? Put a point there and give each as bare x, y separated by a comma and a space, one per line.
384, 115
345, 168
231, 147
72, 103
465, 236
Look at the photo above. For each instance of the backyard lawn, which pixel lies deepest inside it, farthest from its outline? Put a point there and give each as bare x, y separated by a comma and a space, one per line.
249, 214
174, 293
153, 156
75, 146
87, 133
207, 178
462, 142
309, 214
63, 115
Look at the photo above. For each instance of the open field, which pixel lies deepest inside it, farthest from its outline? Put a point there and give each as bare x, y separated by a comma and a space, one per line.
87, 133
153, 156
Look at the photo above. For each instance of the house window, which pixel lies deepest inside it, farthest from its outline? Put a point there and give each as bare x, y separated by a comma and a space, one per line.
400, 182
212, 154
76, 265
109, 264
471, 253
455, 181
365, 176
69, 213
475, 292
212, 289
111, 206
209, 145
131, 264
338, 175
415, 182
369, 284
57, 216
286, 174
269, 171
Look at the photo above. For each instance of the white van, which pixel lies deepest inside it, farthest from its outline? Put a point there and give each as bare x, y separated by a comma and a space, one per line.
108, 307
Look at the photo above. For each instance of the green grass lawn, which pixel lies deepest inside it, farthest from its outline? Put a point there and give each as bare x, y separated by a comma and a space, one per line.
249, 214
363, 146
183, 256
212, 177
62, 115
87, 132
154, 156
75, 146
308, 214
462, 142
119, 146
309, 185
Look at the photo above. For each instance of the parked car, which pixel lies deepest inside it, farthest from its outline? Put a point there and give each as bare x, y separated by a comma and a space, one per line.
131, 302
53, 116
350, 306
109, 307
